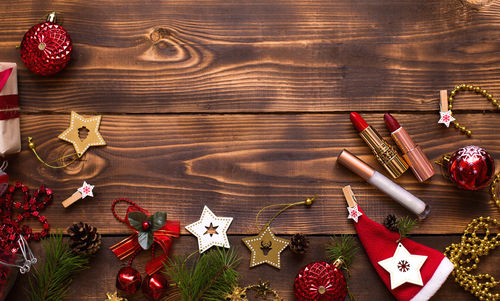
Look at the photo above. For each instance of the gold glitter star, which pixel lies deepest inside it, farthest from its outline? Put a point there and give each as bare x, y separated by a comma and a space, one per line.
79, 123
114, 297
238, 294
265, 248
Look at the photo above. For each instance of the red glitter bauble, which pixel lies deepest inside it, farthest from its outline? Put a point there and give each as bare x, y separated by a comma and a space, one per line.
471, 168
155, 286
128, 280
320, 281
46, 48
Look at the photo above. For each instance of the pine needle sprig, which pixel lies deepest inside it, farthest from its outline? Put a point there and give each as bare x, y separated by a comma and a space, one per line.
51, 280
344, 248
405, 225
210, 277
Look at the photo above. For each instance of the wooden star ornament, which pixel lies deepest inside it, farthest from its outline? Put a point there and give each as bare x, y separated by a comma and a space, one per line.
211, 230
79, 123
266, 248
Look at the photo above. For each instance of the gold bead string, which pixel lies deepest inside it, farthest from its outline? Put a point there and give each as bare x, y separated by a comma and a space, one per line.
472, 88
493, 190
465, 258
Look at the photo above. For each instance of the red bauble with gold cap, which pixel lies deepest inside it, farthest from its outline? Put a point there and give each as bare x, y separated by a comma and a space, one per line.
46, 48
321, 281
471, 167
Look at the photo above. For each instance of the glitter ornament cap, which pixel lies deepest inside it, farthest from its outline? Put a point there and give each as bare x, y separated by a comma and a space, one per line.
46, 48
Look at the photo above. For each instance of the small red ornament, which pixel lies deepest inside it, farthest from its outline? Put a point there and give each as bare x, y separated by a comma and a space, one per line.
155, 286
128, 280
146, 225
321, 281
46, 48
471, 168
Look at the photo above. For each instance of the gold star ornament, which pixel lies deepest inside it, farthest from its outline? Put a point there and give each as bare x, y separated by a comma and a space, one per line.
266, 248
75, 134
114, 297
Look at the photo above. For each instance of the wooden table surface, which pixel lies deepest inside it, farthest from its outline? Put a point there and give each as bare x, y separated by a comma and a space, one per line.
240, 105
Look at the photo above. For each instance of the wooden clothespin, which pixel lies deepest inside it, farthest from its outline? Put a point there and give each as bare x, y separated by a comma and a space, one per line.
445, 113
349, 196
352, 208
81, 193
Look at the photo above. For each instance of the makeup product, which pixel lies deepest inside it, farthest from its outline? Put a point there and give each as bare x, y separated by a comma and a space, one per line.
412, 153
396, 192
385, 153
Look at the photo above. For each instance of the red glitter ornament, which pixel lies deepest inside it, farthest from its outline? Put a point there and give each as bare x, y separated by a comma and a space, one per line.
471, 168
155, 286
128, 280
320, 281
46, 48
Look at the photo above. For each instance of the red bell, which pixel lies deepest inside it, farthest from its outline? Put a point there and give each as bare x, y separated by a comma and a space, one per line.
155, 286
128, 280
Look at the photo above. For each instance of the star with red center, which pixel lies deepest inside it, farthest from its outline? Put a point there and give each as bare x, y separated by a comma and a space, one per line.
86, 190
354, 213
446, 118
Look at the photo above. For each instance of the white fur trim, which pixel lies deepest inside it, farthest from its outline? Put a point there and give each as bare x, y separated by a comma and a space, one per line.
438, 278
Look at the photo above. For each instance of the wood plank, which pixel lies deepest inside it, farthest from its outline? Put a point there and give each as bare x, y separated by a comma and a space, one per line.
365, 284
260, 56
237, 164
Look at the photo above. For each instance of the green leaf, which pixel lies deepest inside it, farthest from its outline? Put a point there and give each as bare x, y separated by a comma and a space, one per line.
157, 220
136, 218
145, 239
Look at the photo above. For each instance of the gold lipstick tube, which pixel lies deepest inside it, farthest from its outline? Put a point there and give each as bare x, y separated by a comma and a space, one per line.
386, 155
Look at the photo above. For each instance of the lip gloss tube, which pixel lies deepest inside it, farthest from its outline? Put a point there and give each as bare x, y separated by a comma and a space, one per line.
396, 192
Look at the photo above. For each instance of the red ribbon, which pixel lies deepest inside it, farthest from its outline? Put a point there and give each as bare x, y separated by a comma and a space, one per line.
130, 245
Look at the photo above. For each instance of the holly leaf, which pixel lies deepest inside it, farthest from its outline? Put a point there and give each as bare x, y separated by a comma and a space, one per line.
136, 218
158, 220
145, 239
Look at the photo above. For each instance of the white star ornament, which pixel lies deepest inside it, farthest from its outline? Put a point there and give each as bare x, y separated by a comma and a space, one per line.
210, 230
403, 267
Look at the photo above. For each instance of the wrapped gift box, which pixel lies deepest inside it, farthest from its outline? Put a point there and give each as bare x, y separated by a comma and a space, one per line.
10, 136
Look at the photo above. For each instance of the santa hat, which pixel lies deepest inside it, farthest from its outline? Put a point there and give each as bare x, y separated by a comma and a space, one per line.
427, 269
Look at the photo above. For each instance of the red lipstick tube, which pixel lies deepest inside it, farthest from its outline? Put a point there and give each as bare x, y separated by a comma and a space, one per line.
412, 153
386, 155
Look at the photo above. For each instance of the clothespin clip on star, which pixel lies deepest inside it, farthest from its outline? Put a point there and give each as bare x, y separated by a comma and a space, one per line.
352, 208
81, 193
444, 111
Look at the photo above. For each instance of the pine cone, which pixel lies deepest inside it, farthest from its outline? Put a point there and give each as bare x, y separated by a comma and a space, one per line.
84, 239
299, 243
391, 223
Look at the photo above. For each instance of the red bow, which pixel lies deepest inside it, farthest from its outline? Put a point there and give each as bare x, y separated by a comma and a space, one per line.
130, 245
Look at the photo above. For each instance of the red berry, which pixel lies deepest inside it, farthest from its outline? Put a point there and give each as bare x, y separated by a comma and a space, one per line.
146, 225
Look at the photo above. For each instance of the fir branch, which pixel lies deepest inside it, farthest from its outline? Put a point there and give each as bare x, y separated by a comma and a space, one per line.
345, 248
210, 277
405, 225
51, 280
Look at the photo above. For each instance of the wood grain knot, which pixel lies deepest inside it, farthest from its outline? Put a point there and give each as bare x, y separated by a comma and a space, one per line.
158, 34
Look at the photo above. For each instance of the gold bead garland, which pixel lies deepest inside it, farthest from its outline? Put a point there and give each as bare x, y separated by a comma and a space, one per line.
465, 258
493, 188
469, 87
